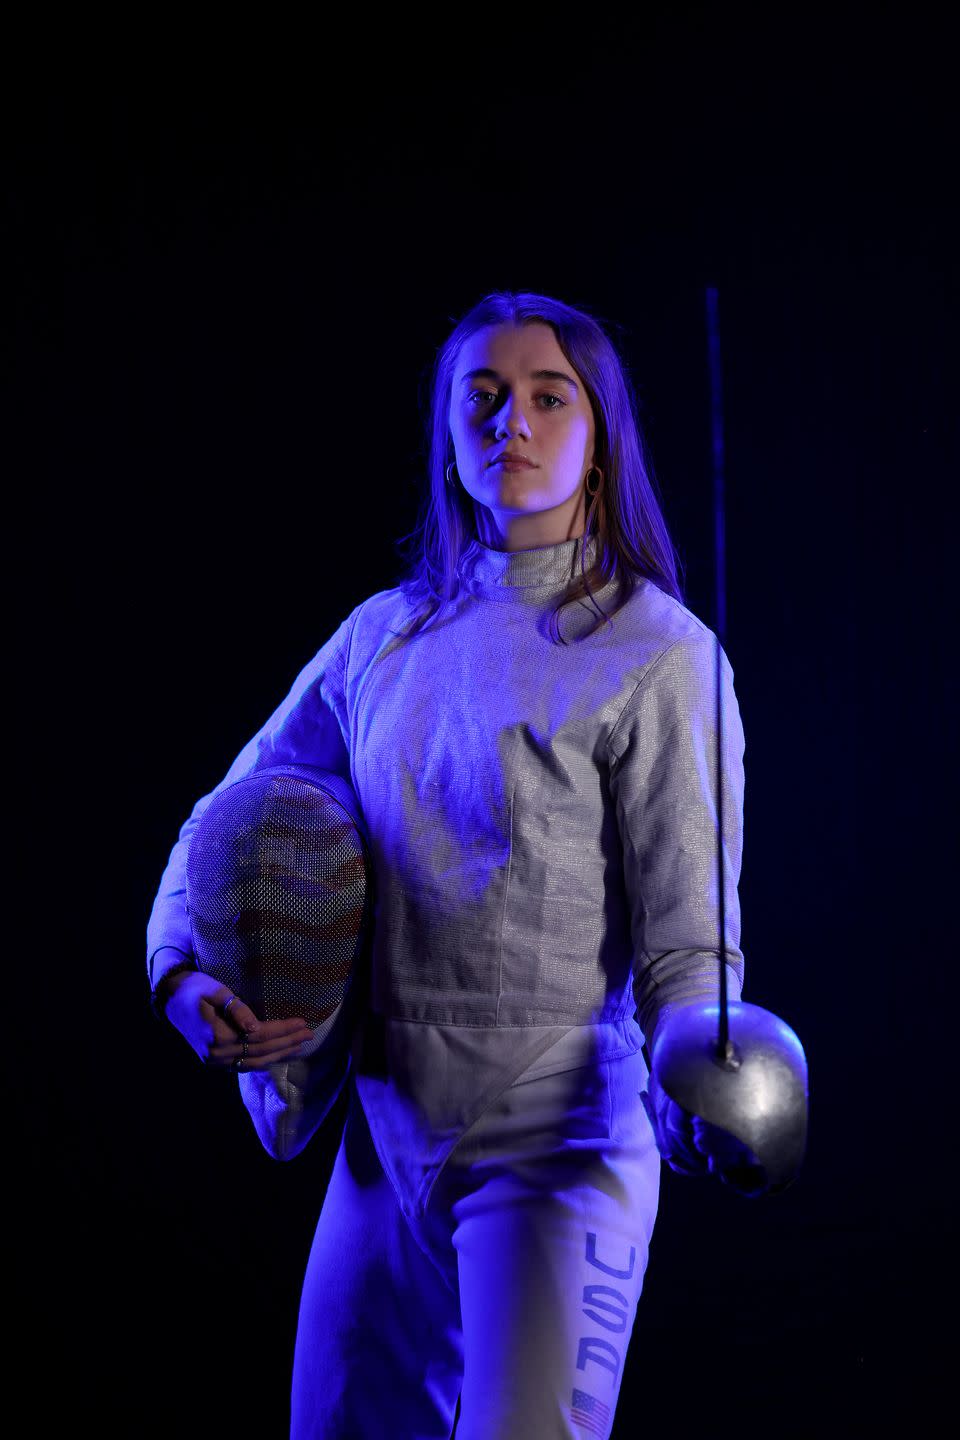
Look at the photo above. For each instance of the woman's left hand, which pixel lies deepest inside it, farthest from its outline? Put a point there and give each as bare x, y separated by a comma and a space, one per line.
692, 1146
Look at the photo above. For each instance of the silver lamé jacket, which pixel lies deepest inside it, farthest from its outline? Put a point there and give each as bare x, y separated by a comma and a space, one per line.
544, 835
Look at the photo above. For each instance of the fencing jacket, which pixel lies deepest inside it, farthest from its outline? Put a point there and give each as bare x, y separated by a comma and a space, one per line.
543, 831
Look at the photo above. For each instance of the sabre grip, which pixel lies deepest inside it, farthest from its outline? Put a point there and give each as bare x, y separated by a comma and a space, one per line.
692, 1146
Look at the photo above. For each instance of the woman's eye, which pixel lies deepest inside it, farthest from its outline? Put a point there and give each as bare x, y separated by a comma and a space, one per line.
484, 395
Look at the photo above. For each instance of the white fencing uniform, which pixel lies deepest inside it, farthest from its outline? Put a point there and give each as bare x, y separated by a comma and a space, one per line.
543, 834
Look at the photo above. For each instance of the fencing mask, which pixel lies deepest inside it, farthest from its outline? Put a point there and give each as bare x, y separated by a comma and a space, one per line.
280, 897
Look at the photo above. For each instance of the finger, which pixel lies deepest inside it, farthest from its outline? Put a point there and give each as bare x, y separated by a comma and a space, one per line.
678, 1133
676, 1166
229, 1016
654, 1115
224, 1060
243, 1063
238, 1014
260, 1049
279, 1033
679, 1159
225, 1007
221, 997
269, 1060
713, 1141
280, 1029
244, 1020
269, 1031
672, 1129
734, 1162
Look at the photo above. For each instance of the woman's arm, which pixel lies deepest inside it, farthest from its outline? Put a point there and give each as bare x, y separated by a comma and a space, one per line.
287, 1097
310, 726
663, 780
663, 777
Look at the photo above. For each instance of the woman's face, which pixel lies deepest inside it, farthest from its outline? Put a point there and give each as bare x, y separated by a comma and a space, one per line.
501, 400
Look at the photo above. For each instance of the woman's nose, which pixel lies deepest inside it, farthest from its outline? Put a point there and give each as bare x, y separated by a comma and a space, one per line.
512, 415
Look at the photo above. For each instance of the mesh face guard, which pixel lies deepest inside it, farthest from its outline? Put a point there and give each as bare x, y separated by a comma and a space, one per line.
279, 894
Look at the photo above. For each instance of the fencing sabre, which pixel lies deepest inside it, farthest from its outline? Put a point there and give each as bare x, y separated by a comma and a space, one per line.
737, 1066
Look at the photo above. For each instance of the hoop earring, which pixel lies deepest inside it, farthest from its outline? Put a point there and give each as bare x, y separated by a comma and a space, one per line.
451, 466
594, 489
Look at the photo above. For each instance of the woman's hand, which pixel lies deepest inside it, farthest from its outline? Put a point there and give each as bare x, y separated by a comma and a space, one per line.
693, 1146
198, 1006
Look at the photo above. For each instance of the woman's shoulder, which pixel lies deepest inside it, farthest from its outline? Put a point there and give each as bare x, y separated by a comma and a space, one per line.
383, 608
656, 619
383, 614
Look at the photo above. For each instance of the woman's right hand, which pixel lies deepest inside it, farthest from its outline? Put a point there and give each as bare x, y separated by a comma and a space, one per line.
196, 1007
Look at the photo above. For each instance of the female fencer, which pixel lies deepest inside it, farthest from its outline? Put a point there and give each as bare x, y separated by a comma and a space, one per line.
527, 720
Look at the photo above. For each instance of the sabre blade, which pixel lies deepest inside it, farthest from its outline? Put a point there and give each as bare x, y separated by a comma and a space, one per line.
754, 1088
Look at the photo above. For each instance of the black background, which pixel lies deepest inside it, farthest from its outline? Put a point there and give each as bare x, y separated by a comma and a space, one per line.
235, 256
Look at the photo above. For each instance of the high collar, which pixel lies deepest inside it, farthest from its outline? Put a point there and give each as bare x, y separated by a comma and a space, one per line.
548, 568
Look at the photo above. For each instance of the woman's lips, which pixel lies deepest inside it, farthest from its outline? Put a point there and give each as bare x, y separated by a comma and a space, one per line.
511, 462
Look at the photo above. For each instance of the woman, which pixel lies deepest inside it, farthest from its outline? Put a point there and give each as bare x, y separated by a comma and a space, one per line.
528, 722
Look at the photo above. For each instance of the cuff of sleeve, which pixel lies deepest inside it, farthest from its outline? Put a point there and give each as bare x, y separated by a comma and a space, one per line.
163, 958
692, 988
169, 967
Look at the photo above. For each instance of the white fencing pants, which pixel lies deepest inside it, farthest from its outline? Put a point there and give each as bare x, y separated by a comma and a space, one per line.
517, 1288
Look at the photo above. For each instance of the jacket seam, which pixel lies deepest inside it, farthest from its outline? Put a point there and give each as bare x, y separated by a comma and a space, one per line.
503, 911
348, 739
349, 652
654, 665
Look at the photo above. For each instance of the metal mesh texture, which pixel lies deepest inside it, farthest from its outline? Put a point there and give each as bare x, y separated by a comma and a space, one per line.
279, 892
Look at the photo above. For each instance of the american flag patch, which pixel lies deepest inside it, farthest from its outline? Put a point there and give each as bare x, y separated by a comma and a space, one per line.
590, 1413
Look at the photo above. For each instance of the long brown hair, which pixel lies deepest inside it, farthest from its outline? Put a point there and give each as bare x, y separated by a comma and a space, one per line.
624, 515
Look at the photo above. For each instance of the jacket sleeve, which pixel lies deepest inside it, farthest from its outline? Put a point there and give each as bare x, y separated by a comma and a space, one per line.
663, 780
310, 726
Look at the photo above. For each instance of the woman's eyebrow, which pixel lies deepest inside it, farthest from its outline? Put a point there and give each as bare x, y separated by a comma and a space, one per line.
489, 374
